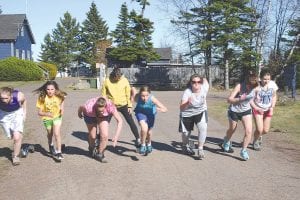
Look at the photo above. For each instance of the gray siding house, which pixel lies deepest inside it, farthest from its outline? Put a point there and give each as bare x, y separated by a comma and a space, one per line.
16, 37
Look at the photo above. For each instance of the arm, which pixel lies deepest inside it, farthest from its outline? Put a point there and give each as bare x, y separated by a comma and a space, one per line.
80, 111
44, 114
23, 103
232, 97
62, 108
119, 120
160, 106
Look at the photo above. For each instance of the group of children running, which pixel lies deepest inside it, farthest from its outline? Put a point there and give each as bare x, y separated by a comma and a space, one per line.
248, 97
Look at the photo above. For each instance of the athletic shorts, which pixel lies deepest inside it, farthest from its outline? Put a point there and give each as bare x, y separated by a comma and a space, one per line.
188, 122
49, 123
234, 116
12, 122
149, 119
90, 120
266, 113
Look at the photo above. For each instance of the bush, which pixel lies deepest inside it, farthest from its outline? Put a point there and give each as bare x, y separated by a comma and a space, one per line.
51, 68
14, 69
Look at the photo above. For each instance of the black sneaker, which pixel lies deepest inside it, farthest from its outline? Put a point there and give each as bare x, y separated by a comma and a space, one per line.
188, 150
100, 157
52, 150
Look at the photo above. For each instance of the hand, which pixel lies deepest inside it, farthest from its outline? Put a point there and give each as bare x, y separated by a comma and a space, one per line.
130, 111
80, 115
49, 114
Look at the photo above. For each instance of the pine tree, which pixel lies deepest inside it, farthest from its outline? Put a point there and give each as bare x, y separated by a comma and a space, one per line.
61, 47
93, 30
132, 37
121, 34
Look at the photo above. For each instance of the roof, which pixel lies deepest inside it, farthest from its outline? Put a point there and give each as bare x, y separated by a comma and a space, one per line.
165, 53
10, 25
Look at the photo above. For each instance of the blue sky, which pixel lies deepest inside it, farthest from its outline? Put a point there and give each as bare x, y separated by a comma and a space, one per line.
44, 15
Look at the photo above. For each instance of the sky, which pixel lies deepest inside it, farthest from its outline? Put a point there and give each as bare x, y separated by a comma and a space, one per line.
44, 15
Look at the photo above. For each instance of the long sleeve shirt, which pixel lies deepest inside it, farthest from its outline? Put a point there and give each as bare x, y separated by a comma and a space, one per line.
118, 92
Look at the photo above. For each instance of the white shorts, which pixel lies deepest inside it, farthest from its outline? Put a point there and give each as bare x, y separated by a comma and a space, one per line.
12, 121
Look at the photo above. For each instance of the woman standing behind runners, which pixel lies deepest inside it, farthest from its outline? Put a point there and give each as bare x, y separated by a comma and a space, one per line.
117, 89
240, 109
193, 110
98, 112
12, 117
145, 111
50, 106
263, 106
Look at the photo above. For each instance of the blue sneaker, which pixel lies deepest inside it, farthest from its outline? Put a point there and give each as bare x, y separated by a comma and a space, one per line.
227, 146
149, 148
143, 150
244, 154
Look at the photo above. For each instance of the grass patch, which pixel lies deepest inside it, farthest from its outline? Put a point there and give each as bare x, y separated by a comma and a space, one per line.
14, 84
286, 119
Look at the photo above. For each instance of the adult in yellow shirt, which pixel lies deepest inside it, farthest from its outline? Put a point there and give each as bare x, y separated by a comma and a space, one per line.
118, 90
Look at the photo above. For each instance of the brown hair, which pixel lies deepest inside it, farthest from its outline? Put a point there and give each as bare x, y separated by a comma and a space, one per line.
42, 91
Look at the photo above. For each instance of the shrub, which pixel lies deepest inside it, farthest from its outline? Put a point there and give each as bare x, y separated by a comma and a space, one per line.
51, 68
14, 69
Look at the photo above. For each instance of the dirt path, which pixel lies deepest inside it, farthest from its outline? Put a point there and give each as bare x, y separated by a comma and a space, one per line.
272, 173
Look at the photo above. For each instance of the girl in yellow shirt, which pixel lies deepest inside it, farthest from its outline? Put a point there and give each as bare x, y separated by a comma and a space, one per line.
50, 106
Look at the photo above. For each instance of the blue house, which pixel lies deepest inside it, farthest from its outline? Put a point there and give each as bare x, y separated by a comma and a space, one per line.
16, 37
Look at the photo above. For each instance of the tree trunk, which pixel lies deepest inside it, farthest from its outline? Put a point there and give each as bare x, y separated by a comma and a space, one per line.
226, 74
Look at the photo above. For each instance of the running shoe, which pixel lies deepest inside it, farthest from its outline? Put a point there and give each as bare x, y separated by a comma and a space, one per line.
149, 148
227, 146
100, 157
201, 154
143, 150
188, 150
16, 160
244, 154
59, 156
256, 145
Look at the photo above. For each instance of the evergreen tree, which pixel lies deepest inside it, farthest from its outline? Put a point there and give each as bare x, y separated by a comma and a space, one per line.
133, 39
121, 34
93, 30
47, 50
62, 46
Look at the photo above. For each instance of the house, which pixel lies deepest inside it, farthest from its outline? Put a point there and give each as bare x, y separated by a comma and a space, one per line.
165, 55
16, 37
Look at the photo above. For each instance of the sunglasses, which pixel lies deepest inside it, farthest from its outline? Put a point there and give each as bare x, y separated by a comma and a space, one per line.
194, 82
4, 98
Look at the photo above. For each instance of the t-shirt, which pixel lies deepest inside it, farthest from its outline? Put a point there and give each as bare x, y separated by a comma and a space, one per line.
147, 108
264, 95
198, 104
51, 104
244, 105
89, 111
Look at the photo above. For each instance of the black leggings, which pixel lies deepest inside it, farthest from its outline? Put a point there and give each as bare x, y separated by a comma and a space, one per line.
129, 120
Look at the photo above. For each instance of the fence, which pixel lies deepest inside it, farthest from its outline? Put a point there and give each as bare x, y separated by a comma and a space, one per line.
166, 77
